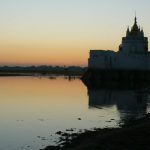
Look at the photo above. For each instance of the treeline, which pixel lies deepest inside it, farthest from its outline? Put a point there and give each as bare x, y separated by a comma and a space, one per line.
70, 70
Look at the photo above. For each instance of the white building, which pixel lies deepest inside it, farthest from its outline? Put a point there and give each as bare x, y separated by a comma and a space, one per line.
132, 54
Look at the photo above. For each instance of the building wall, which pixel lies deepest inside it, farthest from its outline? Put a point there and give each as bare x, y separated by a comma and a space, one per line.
101, 59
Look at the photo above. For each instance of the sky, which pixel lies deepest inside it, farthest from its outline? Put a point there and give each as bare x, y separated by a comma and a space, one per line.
61, 32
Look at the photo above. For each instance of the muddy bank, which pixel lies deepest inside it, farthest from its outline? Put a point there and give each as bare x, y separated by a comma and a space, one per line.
133, 136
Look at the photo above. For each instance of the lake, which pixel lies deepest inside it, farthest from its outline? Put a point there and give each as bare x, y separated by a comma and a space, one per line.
33, 109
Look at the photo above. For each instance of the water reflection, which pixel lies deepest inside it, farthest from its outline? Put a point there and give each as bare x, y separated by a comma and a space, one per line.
131, 103
33, 109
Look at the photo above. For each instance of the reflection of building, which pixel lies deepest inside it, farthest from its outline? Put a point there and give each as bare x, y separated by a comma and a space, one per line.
129, 103
133, 53
100, 98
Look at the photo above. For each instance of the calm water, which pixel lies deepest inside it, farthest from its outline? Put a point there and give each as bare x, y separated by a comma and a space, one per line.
32, 109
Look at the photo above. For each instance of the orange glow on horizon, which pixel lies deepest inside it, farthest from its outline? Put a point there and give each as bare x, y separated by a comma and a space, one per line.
61, 53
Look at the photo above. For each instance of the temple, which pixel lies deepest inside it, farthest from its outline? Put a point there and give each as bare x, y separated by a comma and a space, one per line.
132, 53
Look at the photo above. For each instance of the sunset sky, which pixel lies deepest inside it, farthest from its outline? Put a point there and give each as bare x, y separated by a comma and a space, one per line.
61, 32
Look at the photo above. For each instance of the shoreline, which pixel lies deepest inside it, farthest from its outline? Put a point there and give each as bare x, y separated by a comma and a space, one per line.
38, 74
135, 135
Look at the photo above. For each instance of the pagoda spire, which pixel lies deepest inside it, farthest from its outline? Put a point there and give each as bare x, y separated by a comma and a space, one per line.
128, 31
142, 32
135, 20
135, 28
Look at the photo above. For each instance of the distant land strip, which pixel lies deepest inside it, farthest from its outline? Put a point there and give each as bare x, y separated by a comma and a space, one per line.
41, 70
